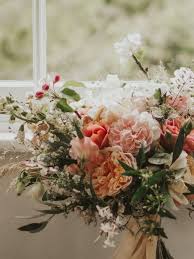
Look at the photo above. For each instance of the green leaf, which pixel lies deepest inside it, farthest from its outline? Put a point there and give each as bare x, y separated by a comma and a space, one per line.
53, 211
190, 188
74, 84
156, 178
78, 131
166, 213
159, 159
34, 227
125, 166
129, 171
139, 194
161, 251
158, 95
64, 106
184, 131
71, 93
141, 157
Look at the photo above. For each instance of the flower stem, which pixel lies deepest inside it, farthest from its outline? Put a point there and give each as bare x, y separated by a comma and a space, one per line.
144, 70
78, 115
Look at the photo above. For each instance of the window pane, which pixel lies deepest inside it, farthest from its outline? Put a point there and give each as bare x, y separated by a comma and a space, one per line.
81, 34
15, 40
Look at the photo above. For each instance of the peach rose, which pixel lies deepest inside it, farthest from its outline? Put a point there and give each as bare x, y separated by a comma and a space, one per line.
107, 179
130, 135
179, 103
98, 133
172, 127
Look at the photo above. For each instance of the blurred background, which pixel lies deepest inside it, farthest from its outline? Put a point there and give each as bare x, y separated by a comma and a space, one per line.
81, 34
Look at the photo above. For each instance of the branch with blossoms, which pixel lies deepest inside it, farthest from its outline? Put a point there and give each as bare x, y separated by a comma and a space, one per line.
128, 47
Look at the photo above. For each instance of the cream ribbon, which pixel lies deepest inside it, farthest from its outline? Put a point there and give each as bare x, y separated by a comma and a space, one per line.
136, 246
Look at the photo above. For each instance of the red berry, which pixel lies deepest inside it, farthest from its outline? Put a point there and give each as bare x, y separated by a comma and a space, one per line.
39, 94
45, 87
57, 79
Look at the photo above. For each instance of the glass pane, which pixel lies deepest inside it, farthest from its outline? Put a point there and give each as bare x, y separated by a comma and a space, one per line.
81, 35
15, 40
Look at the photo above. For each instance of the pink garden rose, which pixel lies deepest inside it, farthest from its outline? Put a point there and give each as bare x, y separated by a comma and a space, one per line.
98, 133
179, 103
189, 142
172, 127
130, 135
84, 149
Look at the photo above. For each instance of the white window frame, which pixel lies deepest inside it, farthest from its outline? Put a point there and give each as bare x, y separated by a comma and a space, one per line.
19, 88
39, 53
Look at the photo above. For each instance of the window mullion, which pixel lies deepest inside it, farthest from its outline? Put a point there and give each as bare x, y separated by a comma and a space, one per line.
39, 40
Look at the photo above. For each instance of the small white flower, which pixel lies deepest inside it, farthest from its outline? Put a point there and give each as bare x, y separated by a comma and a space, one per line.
184, 79
128, 46
104, 212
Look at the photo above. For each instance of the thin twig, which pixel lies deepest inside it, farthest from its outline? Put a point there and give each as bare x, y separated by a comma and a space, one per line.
144, 70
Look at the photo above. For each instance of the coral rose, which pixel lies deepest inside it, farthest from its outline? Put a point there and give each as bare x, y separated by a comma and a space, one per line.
130, 135
107, 179
98, 133
172, 128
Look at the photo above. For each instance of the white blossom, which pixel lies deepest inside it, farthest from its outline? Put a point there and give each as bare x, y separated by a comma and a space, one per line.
104, 212
110, 229
128, 46
112, 81
183, 80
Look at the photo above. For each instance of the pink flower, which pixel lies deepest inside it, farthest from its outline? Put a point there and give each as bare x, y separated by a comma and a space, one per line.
98, 134
172, 128
179, 103
107, 179
45, 87
39, 94
189, 142
56, 79
130, 135
84, 149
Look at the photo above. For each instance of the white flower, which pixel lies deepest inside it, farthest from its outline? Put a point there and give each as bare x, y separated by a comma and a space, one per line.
128, 46
184, 79
104, 212
112, 81
180, 163
110, 229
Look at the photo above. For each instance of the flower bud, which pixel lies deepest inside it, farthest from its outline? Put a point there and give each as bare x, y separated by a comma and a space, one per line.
57, 79
39, 94
20, 187
45, 87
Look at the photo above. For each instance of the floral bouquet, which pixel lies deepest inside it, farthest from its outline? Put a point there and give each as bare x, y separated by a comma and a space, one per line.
112, 153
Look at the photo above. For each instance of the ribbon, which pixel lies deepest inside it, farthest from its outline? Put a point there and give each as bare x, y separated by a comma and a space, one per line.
135, 244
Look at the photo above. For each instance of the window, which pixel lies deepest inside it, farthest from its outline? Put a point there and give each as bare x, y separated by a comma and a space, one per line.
24, 39
22, 45
16, 41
